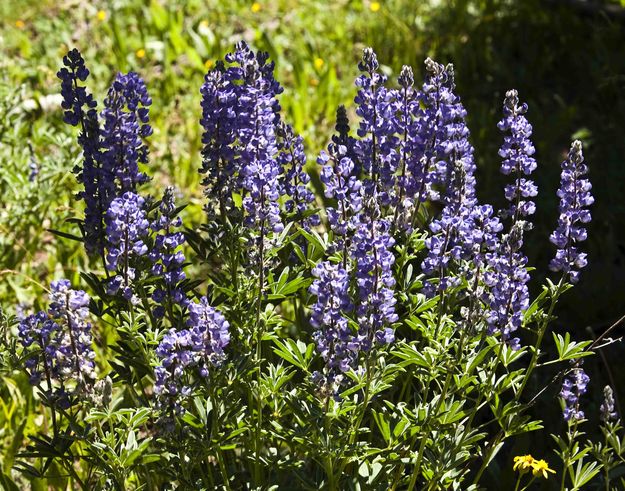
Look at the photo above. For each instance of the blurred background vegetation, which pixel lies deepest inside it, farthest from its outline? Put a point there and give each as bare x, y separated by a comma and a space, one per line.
566, 58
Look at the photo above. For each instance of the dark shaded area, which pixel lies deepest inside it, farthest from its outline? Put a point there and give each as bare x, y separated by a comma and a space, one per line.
567, 60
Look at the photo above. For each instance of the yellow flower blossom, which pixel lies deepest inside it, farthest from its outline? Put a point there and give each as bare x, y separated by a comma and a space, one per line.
20, 24
140, 53
523, 463
540, 468
101, 15
256, 7
374, 6
319, 63
208, 64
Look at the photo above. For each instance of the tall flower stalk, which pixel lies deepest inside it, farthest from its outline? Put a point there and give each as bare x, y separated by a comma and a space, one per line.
575, 198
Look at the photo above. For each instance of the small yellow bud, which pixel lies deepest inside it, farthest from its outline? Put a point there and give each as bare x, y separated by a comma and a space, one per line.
204, 24
374, 6
101, 15
208, 64
256, 7
140, 53
20, 24
319, 63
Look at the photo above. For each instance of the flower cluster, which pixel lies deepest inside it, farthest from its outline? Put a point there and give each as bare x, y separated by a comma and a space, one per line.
452, 174
334, 339
112, 151
219, 121
373, 261
377, 130
166, 256
240, 119
516, 152
573, 387
75, 97
292, 160
341, 184
188, 353
359, 175
507, 279
446, 147
126, 124
59, 341
607, 410
525, 463
126, 229
80, 108
575, 197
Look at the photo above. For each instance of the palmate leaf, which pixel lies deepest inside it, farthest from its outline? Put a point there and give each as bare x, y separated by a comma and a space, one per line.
296, 353
570, 350
583, 473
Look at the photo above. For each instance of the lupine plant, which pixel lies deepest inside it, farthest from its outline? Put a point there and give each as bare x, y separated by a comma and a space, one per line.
375, 331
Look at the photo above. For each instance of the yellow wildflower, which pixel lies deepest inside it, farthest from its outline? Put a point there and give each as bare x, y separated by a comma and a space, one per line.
140, 53
256, 7
204, 24
374, 6
20, 24
523, 463
208, 64
319, 63
101, 15
540, 468
313, 82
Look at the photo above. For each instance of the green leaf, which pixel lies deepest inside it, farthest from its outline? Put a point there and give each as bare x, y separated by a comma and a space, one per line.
65, 235
296, 353
570, 350
159, 15
383, 425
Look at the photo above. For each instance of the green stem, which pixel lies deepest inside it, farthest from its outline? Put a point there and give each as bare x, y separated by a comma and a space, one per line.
417, 468
541, 332
259, 334
215, 441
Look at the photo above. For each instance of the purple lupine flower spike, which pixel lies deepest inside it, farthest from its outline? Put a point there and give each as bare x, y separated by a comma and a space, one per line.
376, 129
517, 153
292, 160
190, 352
219, 120
575, 198
607, 411
333, 337
446, 138
126, 125
507, 278
166, 256
373, 264
412, 164
80, 109
126, 228
573, 387
60, 342
257, 115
